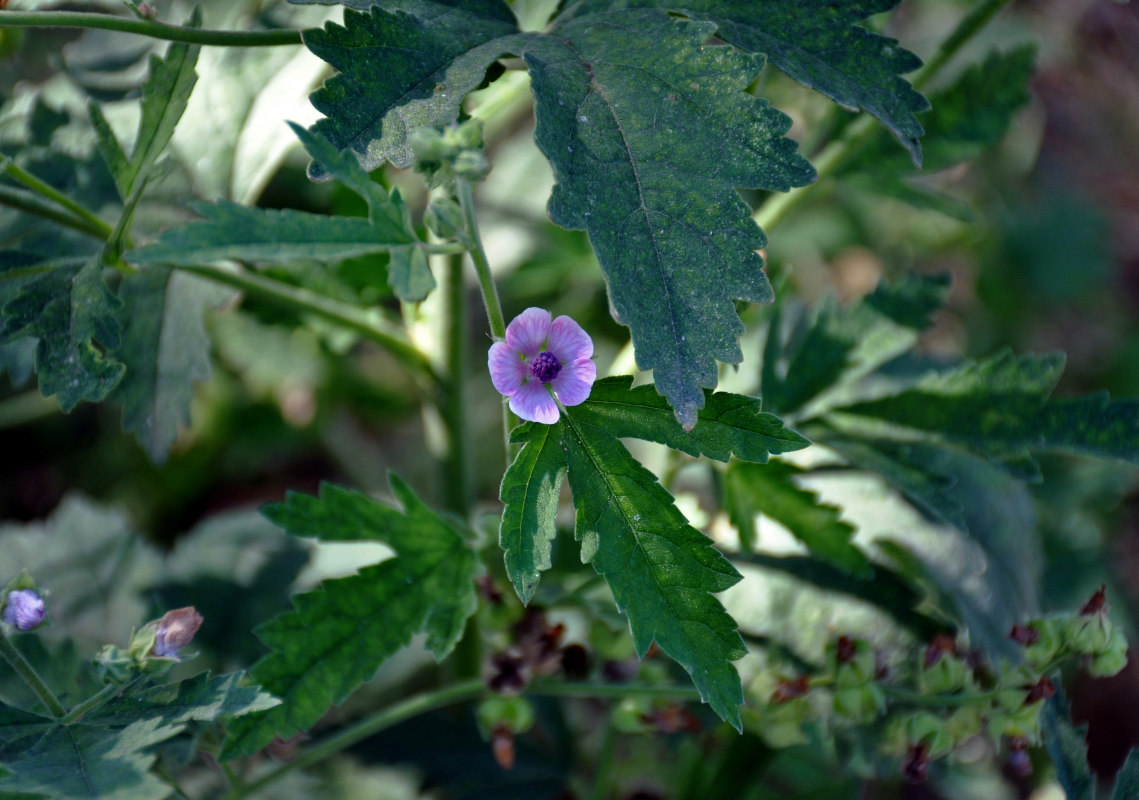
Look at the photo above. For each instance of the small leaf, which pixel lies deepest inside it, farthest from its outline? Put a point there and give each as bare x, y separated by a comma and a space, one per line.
73, 314
728, 424
530, 491
817, 43
111, 151
166, 351
769, 490
1068, 749
399, 71
339, 635
663, 572
629, 104
409, 274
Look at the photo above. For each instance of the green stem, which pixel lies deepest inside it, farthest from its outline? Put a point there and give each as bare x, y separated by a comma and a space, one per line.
23, 408
603, 770
16, 172
147, 27
367, 324
457, 471
25, 670
465, 191
936, 700
839, 153
33, 204
615, 691
369, 726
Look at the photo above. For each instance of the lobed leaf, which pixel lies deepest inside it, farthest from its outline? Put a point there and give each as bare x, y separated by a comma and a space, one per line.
728, 424
629, 105
338, 635
817, 43
769, 490
404, 66
201, 698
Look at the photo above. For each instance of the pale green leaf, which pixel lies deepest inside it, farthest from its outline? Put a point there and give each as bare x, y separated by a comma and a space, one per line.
629, 105
338, 635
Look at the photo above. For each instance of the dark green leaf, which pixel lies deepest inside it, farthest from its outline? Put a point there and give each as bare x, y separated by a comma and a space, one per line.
1068, 749
401, 70
339, 635
111, 151
817, 43
843, 346
663, 572
629, 105
728, 424
770, 490
166, 351
530, 490
73, 314
199, 698
1127, 779
883, 587
230, 231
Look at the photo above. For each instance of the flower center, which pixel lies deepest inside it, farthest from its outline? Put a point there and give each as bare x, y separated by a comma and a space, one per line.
545, 367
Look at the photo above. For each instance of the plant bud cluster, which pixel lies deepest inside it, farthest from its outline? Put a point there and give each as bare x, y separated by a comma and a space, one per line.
455, 152
944, 697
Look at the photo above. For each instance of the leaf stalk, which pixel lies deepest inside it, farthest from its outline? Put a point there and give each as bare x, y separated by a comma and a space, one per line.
146, 27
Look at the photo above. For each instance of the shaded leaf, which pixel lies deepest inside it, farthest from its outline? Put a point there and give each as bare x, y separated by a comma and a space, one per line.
530, 491
166, 351
202, 698
817, 43
1068, 749
769, 490
73, 314
629, 104
728, 424
663, 572
401, 70
1127, 779
338, 635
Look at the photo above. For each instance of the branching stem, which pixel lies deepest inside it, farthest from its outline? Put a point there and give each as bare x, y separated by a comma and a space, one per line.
92, 224
29, 675
147, 27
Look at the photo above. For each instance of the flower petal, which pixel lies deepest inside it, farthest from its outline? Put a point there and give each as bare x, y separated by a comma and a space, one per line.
568, 341
574, 382
527, 332
533, 402
507, 369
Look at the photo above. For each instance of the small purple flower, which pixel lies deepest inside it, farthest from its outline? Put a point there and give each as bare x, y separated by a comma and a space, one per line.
24, 609
175, 630
540, 357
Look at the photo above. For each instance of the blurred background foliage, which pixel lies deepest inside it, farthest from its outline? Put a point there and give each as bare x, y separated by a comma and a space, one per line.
1040, 231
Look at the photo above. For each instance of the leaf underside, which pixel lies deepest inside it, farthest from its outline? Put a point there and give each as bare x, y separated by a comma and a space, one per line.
338, 635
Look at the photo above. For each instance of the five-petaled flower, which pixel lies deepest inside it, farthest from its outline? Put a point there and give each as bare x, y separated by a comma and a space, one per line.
24, 609
542, 359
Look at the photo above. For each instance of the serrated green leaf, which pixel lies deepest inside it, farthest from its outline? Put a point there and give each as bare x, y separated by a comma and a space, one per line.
817, 43
882, 587
111, 151
967, 118
844, 345
728, 424
230, 231
629, 104
339, 635
165, 350
404, 68
530, 491
1127, 779
770, 490
1067, 747
80, 761
663, 572
999, 408
72, 313
202, 698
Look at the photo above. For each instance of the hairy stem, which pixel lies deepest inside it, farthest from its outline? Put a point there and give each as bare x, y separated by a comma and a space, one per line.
29, 675
465, 191
94, 225
147, 27
366, 323
457, 468
31, 203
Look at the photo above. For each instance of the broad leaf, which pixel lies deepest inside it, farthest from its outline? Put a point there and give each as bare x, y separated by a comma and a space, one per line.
629, 106
844, 345
73, 314
530, 491
999, 408
166, 351
403, 68
817, 43
728, 424
770, 490
339, 635
202, 698
663, 572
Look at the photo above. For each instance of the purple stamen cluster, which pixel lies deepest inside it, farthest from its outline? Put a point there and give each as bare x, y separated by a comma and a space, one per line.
545, 367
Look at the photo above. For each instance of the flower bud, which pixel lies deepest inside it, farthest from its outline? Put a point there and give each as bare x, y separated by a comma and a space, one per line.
1112, 660
1042, 639
429, 145
175, 630
467, 136
854, 662
1089, 634
515, 714
948, 674
860, 704
444, 218
471, 165
929, 729
23, 608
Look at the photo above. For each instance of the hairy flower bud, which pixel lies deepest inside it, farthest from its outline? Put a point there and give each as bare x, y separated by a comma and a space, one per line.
444, 218
429, 146
23, 608
472, 165
175, 630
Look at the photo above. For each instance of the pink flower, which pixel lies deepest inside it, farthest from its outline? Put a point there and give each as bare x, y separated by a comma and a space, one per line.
175, 630
539, 360
24, 609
